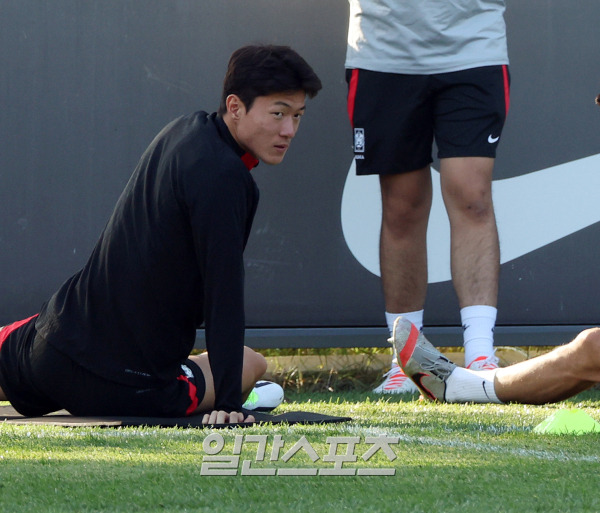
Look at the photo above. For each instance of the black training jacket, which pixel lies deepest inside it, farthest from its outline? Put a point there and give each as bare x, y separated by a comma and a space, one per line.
169, 260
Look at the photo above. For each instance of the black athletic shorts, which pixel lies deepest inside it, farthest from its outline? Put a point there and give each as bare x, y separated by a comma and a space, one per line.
395, 118
38, 379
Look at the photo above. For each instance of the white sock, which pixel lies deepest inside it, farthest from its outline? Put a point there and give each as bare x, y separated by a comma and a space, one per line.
467, 386
415, 317
478, 323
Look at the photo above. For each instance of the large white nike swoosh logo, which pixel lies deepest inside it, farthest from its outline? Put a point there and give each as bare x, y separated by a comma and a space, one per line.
532, 211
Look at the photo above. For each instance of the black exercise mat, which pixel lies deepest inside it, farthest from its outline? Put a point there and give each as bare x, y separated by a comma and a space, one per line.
63, 418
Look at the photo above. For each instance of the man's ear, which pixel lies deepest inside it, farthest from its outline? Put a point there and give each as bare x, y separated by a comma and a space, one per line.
235, 106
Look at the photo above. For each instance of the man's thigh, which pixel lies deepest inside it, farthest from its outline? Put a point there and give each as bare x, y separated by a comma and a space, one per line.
84, 393
42, 380
466, 177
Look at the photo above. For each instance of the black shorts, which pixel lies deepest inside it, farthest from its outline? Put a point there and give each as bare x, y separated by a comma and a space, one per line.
395, 118
38, 379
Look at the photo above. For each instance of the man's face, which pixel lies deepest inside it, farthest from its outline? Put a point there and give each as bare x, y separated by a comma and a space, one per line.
267, 129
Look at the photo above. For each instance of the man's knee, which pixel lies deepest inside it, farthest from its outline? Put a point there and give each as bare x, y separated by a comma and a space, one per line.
587, 344
467, 189
256, 362
470, 202
404, 215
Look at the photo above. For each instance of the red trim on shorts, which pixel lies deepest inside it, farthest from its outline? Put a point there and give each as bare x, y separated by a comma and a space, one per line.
353, 85
7, 330
193, 392
506, 89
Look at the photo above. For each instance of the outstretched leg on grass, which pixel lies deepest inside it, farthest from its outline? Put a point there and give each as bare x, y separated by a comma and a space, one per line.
557, 375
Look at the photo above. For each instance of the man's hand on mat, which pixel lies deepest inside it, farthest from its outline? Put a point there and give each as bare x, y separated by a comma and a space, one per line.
223, 417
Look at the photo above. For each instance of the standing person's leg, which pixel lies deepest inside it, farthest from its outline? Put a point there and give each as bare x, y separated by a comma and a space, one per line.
392, 120
475, 251
471, 108
406, 202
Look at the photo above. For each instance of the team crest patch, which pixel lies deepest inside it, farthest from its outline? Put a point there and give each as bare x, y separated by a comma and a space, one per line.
359, 140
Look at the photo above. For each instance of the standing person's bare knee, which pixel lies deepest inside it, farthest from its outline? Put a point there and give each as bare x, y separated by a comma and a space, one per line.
406, 199
478, 209
467, 191
470, 203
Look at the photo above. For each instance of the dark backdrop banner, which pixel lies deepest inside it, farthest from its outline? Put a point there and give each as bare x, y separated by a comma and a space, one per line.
85, 85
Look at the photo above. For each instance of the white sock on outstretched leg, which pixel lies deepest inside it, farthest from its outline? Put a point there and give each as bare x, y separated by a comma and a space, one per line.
466, 386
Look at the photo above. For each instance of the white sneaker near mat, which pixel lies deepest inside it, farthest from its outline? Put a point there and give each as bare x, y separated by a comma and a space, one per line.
421, 362
265, 396
396, 382
484, 363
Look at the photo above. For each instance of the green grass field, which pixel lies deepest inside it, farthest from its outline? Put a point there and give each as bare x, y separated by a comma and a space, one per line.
448, 458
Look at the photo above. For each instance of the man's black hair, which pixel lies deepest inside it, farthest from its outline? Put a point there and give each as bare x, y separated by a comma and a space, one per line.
261, 70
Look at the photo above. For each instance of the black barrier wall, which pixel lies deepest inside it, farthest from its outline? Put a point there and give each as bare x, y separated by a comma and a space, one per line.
85, 85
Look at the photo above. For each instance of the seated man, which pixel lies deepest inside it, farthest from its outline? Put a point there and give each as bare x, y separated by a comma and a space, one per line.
557, 375
115, 338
